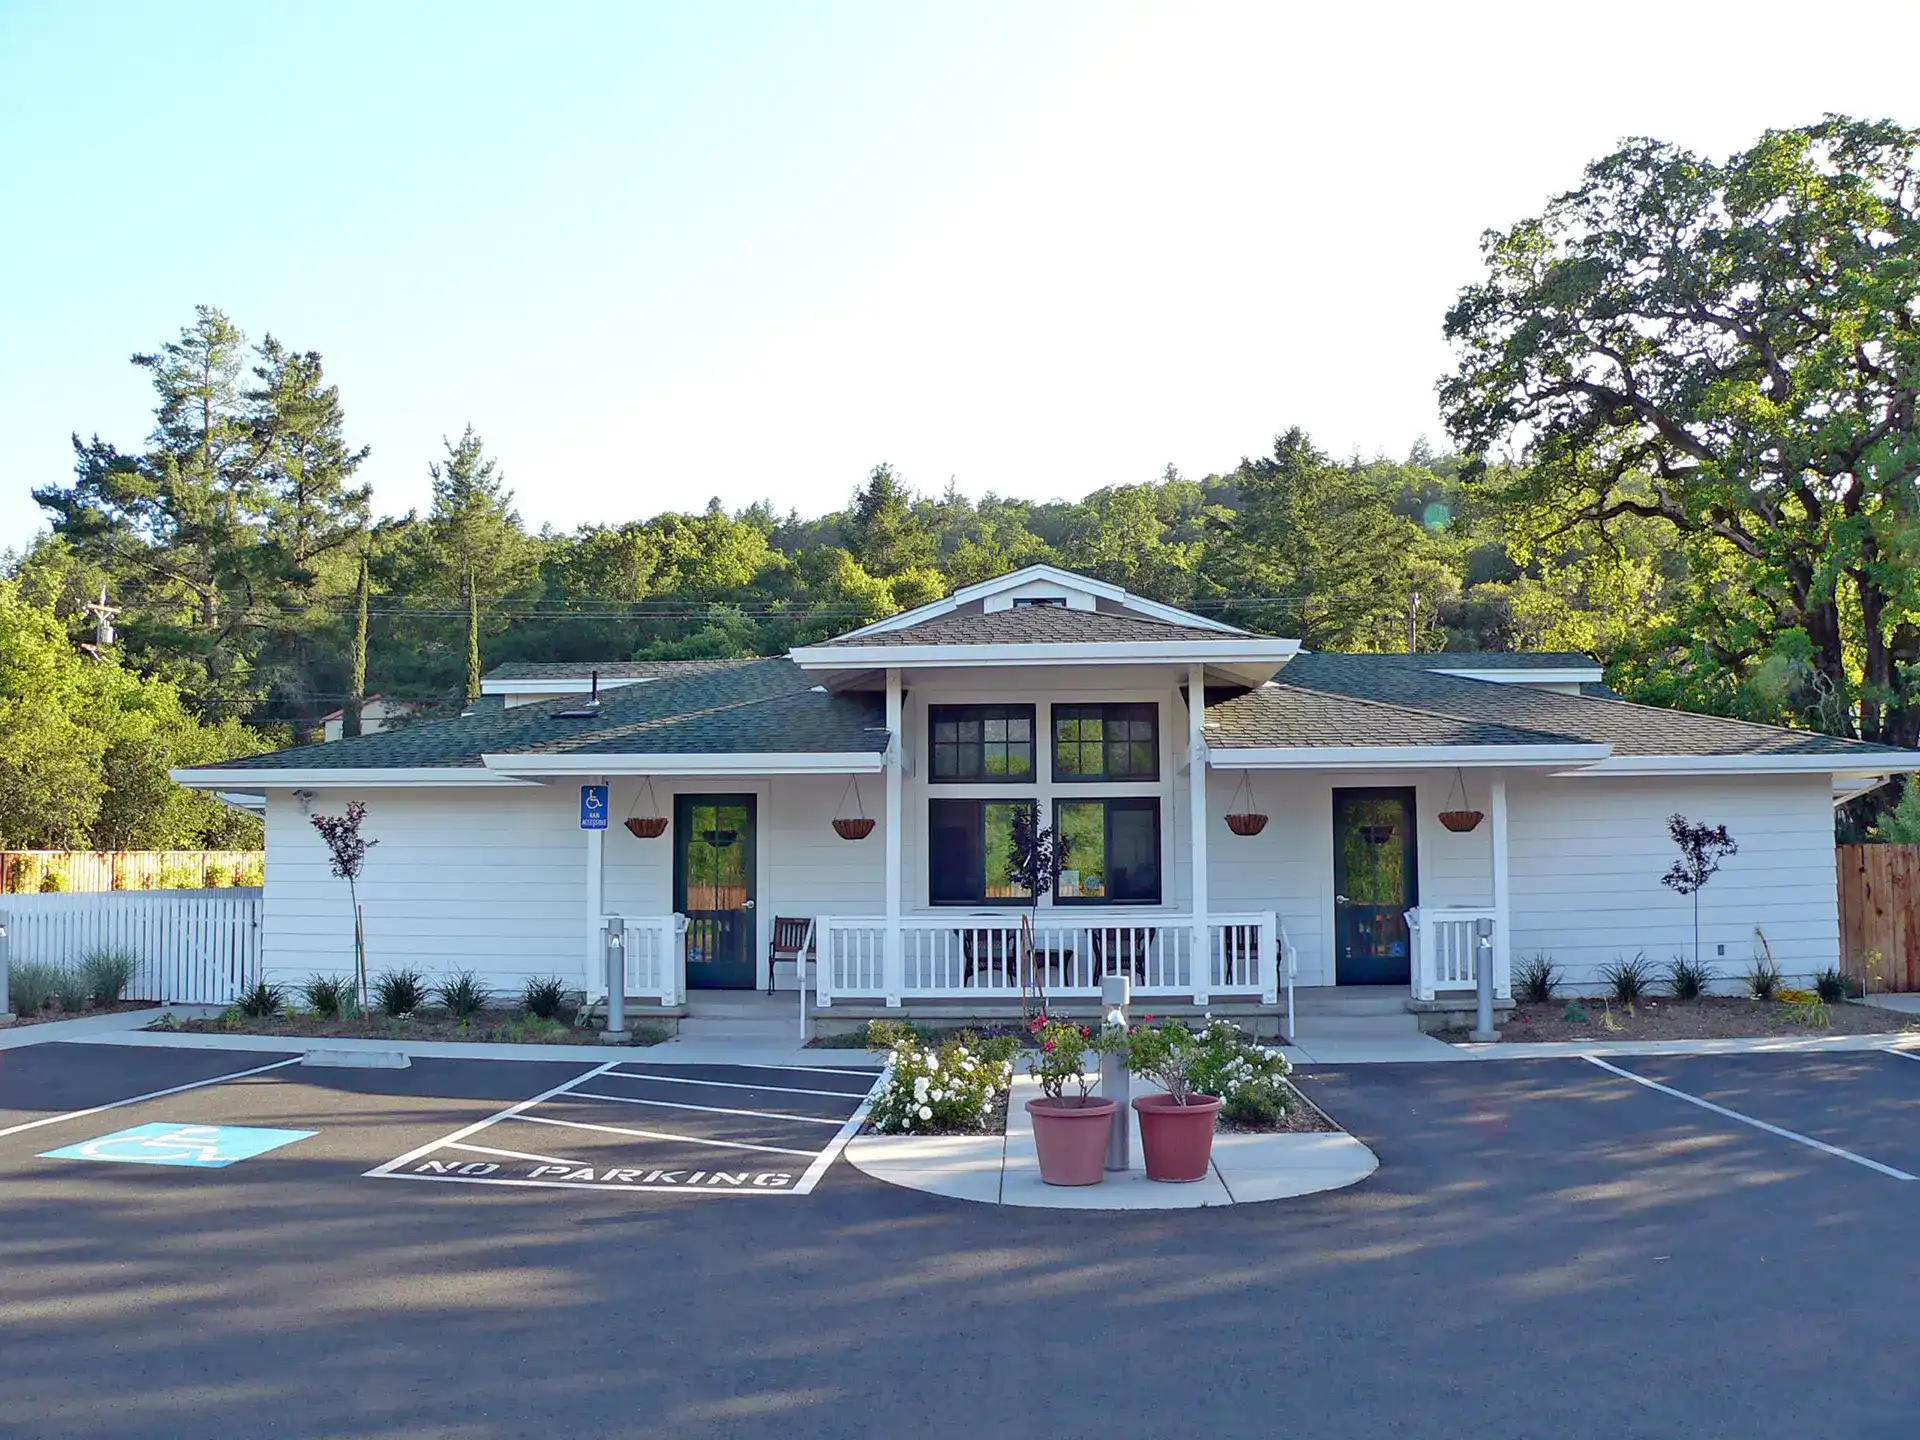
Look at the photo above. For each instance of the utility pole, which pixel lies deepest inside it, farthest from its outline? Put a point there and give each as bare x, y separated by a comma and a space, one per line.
1413, 623
103, 631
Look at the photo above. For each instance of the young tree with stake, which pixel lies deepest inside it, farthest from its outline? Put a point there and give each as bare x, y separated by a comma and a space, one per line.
348, 848
1702, 848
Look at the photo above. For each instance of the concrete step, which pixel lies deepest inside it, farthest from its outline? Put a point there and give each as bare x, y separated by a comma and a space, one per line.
1357, 1027
1327, 1000
785, 1031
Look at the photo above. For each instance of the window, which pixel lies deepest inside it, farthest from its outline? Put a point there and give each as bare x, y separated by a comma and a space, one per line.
1040, 602
981, 742
1113, 851
969, 856
1106, 742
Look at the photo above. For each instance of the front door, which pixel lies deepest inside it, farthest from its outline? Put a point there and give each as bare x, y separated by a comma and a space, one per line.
713, 888
1375, 882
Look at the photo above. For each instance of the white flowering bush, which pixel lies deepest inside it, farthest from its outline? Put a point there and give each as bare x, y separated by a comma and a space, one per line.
941, 1089
1249, 1078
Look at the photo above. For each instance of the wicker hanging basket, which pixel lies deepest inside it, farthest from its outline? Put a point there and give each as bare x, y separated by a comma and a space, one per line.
1245, 819
651, 826
1458, 818
858, 825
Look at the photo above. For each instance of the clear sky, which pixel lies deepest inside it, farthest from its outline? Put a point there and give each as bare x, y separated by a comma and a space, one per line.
657, 253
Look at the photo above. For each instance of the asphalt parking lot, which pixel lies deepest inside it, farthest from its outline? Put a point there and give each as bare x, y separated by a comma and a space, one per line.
1549, 1248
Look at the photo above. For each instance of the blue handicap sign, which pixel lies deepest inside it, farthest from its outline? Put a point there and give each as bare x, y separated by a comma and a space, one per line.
202, 1147
593, 807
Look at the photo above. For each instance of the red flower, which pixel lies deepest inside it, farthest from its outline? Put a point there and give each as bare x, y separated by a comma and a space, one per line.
1047, 1046
1086, 1032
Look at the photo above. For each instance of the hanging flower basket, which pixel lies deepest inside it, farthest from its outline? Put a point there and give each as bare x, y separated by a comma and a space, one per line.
858, 825
1245, 818
652, 825
1458, 818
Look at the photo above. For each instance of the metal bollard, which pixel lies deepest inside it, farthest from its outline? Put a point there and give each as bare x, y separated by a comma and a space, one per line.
616, 1032
1116, 991
1483, 982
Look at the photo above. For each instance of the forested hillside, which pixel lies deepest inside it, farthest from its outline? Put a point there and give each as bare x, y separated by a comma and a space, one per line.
1684, 404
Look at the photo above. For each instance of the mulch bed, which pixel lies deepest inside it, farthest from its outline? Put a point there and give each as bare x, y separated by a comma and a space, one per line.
496, 1026
1303, 1117
54, 1012
1712, 1018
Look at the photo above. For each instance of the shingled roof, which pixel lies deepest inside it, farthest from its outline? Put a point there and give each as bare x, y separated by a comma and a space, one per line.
765, 707
1035, 625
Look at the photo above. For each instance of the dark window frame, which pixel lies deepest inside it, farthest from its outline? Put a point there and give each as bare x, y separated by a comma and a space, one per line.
1149, 804
982, 715
971, 868
1129, 713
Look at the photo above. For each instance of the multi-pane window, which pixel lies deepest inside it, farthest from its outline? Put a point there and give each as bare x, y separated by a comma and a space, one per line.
1106, 742
970, 851
981, 742
1112, 851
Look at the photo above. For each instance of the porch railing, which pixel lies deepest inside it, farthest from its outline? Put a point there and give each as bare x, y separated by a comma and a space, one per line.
991, 956
654, 947
1447, 946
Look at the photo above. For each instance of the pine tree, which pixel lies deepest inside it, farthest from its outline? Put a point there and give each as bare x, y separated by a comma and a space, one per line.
301, 460
474, 536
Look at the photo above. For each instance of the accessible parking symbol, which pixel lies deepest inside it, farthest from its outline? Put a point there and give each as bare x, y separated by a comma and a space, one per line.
199, 1147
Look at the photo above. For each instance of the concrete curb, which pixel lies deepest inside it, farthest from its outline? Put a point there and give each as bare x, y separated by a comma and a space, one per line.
88, 1027
1746, 1045
669, 1053
1005, 1170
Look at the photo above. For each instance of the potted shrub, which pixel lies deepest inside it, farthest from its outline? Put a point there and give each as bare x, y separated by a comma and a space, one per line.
1176, 1129
1069, 1130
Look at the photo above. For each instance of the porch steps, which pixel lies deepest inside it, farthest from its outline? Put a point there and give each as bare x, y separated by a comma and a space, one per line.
742, 1017
1333, 1013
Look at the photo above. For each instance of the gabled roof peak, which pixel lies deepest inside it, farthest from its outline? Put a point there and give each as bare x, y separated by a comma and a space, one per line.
1042, 585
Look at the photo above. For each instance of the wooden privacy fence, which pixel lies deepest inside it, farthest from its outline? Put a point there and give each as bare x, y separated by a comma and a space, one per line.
193, 947
31, 872
1880, 914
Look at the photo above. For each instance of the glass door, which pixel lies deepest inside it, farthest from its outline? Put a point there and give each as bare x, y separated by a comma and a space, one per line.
1375, 882
713, 868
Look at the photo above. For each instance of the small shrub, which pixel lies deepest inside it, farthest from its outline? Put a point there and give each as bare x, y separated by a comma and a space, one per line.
107, 974
1688, 979
54, 881
400, 992
70, 988
1536, 979
179, 875
1575, 1013
219, 875
1249, 1078
462, 995
930, 1088
1763, 980
1830, 985
32, 983
1813, 1011
251, 872
327, 996
1629, 981
544, 997
262, 1002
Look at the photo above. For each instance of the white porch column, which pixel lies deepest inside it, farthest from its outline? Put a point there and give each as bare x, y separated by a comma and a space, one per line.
895, 968
1197, 823
1502, 942
596, 957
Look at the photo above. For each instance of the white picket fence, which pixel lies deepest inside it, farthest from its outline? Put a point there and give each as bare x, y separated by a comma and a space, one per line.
194, 947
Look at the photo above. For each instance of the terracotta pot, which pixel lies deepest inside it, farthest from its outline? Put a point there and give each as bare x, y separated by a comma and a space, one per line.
1177, 1140
1460, 821
853, 828
1071, 1136
648, 827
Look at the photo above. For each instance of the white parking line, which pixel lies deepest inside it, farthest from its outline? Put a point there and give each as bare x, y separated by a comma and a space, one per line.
707, 1109
736, 1085
697, 1140
150, 1095
839, 1142
1792, 1135
479, 1125
509, 1154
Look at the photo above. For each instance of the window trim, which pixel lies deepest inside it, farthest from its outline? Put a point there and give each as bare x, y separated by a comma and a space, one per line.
1107, 803
1105, 708
1026, 710
979, 804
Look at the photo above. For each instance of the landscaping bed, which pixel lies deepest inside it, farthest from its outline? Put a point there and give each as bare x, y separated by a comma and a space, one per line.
1712, 1017
506, 1027
54, 1012
1301, 1117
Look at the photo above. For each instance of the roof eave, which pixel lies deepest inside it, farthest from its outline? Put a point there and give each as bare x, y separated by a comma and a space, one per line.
359, 777
1890, 763
1402, 757
535, 768
1248, 651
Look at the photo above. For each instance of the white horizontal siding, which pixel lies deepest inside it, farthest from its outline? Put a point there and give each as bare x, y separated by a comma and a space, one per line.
493, 881
1587, 857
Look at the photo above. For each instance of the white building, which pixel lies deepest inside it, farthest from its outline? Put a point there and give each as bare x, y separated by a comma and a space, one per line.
1141, 732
